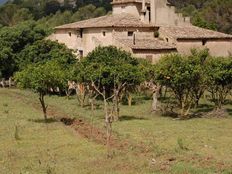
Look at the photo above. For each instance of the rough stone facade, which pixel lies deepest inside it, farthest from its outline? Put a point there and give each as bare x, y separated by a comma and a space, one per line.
146, 28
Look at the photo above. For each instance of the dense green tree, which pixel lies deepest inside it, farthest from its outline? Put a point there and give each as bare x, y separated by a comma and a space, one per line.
212, 14
185, 76
87, 12
13, 40
109, 70
51, 7
41, 78
43, 50
219, 79
7, 13
22, 15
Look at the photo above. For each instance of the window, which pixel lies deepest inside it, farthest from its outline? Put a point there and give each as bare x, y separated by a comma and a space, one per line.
103, 33
204, 42
130, 33
70, 34
81, 53
167, 39
81, 33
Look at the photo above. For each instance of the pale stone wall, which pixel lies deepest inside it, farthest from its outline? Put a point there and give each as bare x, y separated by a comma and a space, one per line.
140, 33
63, 36
130, 8
93, 37
218, 47
151, 55
184, 47
163, 14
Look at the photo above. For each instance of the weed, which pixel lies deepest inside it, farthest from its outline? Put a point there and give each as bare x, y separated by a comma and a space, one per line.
16, 133
5, 104
181, 144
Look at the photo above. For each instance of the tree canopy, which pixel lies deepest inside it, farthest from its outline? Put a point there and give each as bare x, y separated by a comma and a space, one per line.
41, 78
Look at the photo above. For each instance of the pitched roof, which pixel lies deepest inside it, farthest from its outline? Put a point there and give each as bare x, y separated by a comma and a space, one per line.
192, 32
146, 44
116, 20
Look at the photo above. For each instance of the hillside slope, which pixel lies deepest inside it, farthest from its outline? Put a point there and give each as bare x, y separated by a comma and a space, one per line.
211, 14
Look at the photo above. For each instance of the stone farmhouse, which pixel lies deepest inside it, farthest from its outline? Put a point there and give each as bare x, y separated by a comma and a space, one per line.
146, 28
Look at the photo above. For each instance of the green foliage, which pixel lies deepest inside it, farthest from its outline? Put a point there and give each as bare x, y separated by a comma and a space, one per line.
211, 14
109, 66
87, 12
42, 77
44, 50
219, 79
184, 76
51, 12
13, 40
7, 13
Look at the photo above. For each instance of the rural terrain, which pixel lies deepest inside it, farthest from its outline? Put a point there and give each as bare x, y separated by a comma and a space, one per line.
73, 140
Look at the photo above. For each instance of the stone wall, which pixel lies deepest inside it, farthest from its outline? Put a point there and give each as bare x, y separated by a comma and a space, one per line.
94, 37
71, 38
131, 8
151, 55
217, 47
164, 14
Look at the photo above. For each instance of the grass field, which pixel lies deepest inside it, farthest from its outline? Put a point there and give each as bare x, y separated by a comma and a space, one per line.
166, 145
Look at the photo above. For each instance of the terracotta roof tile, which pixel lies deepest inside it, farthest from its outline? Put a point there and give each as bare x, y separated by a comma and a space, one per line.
117, 20
192, 32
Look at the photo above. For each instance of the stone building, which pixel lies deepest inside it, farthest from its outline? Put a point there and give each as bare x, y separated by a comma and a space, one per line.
146, 28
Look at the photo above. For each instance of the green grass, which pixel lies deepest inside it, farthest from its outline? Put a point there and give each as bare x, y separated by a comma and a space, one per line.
192, 146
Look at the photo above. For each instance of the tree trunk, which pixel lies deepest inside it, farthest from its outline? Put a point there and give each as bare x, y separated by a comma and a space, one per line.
108, 122
155, 94
154, 101
81, 97
116, 105
44, 107
129, 99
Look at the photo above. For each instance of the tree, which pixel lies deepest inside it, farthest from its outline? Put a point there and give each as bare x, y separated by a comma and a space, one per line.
22, 15
13, 40
109, 70
198, 59
185, 76
41, 78
87, 12
6, 14
44, 50
7, 63
219, 79
150, 83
